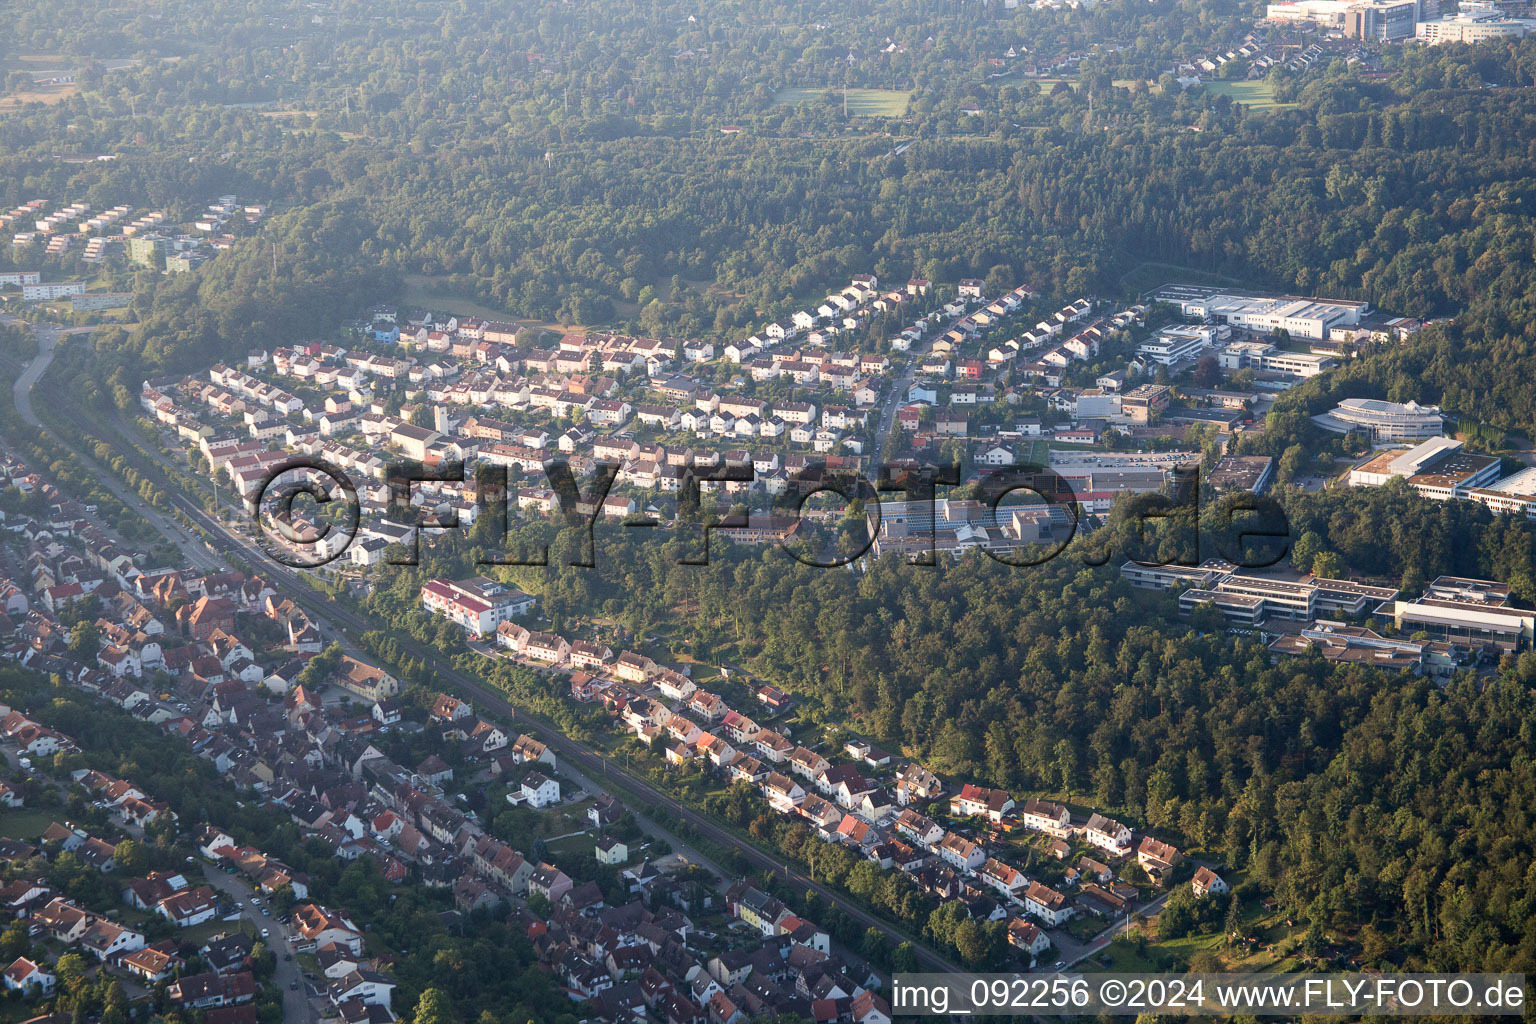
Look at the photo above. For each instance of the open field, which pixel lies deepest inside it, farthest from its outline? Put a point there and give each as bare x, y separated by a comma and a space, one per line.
570, 845
862, 102
40, 66
1123, 956
26, 823
1258, 95
49, 94
429, 292
423, 291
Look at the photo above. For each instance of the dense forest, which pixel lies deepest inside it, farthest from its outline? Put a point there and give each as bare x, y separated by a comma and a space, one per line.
591, 184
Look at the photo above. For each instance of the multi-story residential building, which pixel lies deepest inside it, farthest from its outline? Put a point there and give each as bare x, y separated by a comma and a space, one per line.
479, 604
960, 853
978, 801
1045, 816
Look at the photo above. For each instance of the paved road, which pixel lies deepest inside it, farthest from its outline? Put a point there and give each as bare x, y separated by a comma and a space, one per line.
47, 341
296, 1002
21, 391
895, 400
639, 791
192, 549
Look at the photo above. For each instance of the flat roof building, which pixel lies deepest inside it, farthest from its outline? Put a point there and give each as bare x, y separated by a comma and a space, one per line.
1167, 577
1247, 598
1339, 642
1456, 607
1384, 20
1437, 468
1357, 19
1297, 364
1473, 24
1176, 344
1513, 495
1142, 403
1300, 317
1383, 420
1252, 473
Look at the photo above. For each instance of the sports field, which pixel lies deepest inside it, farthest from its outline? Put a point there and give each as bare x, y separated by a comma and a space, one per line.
1258, 95
862, 102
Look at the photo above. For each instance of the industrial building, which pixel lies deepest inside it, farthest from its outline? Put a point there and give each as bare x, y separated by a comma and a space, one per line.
1455, 607
1299, 317
1438, 468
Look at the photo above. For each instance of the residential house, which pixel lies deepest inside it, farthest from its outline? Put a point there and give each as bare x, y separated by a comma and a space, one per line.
1207, 883
1108, 835
1047, 904
977, 801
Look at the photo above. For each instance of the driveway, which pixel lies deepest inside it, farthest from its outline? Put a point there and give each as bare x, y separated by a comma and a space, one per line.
1072, 951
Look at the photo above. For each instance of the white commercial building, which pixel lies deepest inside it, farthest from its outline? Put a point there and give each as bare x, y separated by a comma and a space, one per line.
1472, 24
1297, 364
1176, 344
1514, 495
1300, 317
1241, 354
1384, 421
1437, 468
